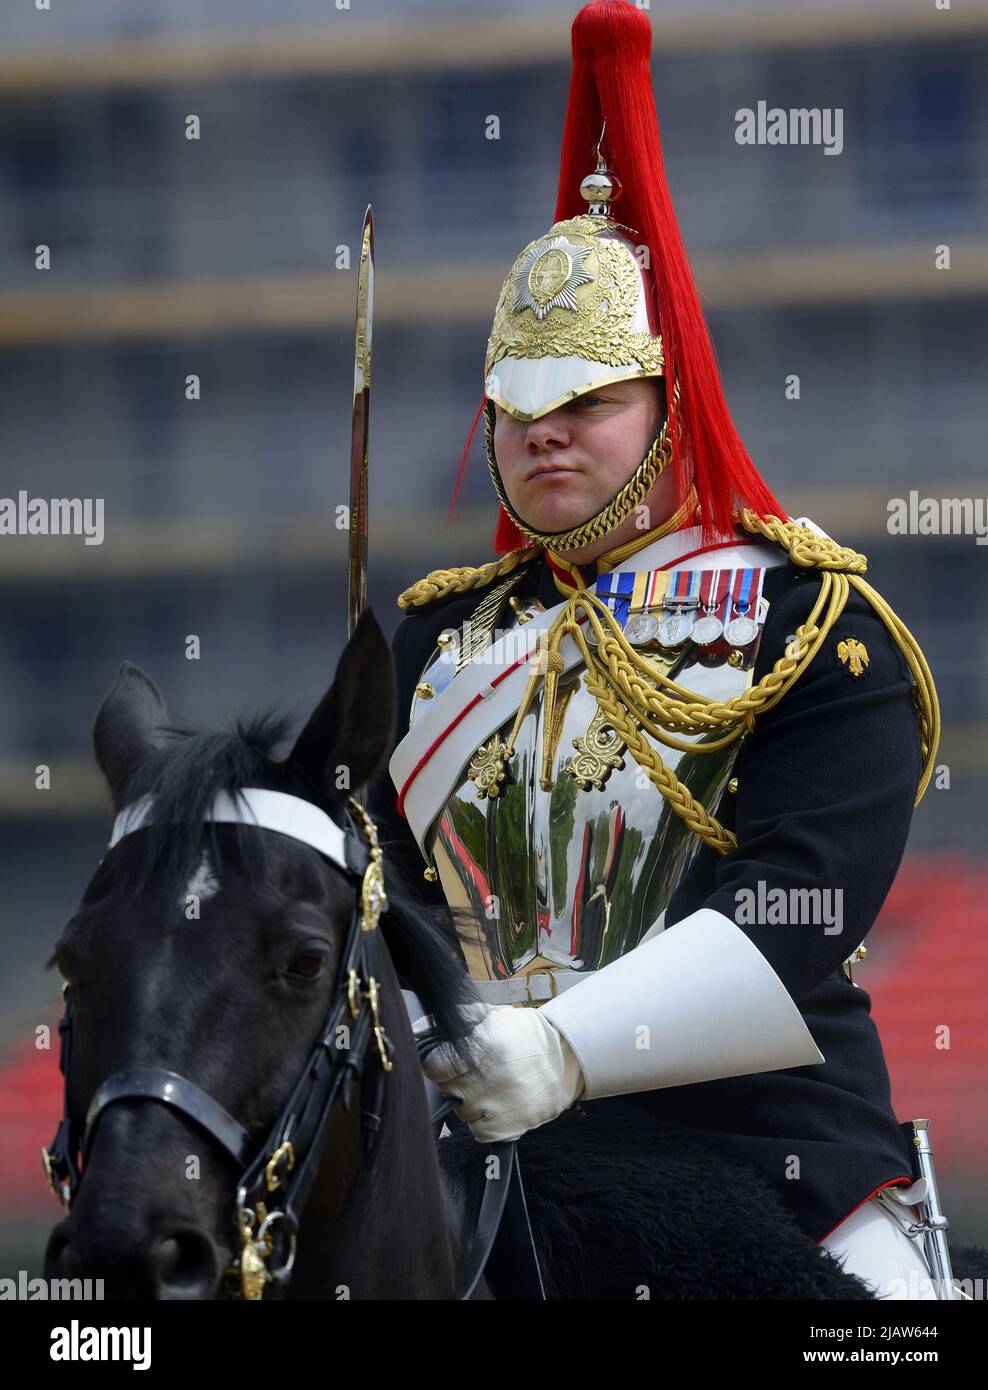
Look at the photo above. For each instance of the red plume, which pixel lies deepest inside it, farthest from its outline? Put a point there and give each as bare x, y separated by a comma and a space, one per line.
612, 81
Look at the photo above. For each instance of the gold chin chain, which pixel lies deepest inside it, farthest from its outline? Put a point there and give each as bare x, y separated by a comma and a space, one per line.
618, 509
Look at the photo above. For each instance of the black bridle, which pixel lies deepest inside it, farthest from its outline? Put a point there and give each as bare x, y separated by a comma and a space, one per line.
276, 1176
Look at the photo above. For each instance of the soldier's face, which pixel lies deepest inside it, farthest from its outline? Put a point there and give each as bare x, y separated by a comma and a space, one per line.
561, 469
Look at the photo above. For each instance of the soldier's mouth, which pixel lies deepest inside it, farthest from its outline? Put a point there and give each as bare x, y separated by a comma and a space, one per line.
548, 472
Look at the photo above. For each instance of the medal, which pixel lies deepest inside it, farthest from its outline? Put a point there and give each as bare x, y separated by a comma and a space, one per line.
741, 631
641, 628
676, 629
680, 606
708, 630
630, 596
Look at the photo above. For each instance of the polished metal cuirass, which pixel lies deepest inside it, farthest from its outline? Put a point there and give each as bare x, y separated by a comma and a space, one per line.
572, 878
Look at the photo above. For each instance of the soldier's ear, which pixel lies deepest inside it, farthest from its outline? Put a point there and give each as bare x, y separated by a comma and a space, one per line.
351, 731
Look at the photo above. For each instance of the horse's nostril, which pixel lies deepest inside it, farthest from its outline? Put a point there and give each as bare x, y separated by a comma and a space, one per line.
184, 1265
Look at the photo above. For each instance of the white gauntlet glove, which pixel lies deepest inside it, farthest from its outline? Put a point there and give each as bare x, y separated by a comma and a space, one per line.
527, 1072
696, 1002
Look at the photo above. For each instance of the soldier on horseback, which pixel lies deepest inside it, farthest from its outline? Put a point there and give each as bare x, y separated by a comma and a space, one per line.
664, 750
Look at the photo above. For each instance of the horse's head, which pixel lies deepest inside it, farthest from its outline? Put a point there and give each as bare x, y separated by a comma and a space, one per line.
214, 951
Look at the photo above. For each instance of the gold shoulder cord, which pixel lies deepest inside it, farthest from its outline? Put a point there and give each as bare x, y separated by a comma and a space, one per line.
636, 699
440, 583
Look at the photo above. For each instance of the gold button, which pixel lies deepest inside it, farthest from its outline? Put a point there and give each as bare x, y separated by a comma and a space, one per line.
732, 785
430, 874
424, 690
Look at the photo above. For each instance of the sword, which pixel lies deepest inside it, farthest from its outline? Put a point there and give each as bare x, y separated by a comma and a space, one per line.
357, 554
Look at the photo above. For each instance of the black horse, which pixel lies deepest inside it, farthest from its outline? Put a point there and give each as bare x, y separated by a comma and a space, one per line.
234, 999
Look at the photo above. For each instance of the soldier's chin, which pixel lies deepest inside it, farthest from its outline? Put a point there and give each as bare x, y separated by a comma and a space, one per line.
556, 513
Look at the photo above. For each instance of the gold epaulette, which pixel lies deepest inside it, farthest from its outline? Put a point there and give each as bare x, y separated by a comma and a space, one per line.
805, 547
439, 583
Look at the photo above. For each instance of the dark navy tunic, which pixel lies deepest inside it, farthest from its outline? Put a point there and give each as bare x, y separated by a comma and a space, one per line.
826, 785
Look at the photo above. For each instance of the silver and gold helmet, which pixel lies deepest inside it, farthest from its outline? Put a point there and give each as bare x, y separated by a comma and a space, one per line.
572, 315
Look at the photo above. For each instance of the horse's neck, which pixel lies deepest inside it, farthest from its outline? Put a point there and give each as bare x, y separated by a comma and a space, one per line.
393, 1237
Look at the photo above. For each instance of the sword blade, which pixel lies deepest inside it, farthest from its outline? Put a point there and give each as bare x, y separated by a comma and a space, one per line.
357, 555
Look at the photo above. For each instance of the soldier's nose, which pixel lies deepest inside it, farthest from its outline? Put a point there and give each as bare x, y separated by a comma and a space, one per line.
545, 433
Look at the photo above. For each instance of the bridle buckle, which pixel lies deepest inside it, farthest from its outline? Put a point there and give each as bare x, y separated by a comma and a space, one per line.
272, 1178
53, 1182
253, 1254
371, 995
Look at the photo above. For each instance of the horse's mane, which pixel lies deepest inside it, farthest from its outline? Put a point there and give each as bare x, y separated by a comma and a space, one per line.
186, 771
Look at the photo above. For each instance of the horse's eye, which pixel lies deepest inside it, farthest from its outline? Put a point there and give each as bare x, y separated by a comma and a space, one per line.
308, 965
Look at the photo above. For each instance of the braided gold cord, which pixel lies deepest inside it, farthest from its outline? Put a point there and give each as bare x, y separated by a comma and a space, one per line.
663, 778
924, 690
805, 547
680, 710
439, 583
636, 699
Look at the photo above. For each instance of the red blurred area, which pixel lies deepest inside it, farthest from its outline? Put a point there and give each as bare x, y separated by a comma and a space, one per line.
927, 959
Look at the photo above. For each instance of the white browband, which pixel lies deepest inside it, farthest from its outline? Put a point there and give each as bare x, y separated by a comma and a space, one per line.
268, 810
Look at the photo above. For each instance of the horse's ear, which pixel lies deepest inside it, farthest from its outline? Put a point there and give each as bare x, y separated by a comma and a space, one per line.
352, 729
125, 727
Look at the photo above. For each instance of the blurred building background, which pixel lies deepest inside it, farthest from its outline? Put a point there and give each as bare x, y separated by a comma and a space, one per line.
220, 257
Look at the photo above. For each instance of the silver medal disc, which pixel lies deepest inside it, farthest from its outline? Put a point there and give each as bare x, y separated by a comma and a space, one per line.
740, 632
641, 628
707, 631
674, 630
